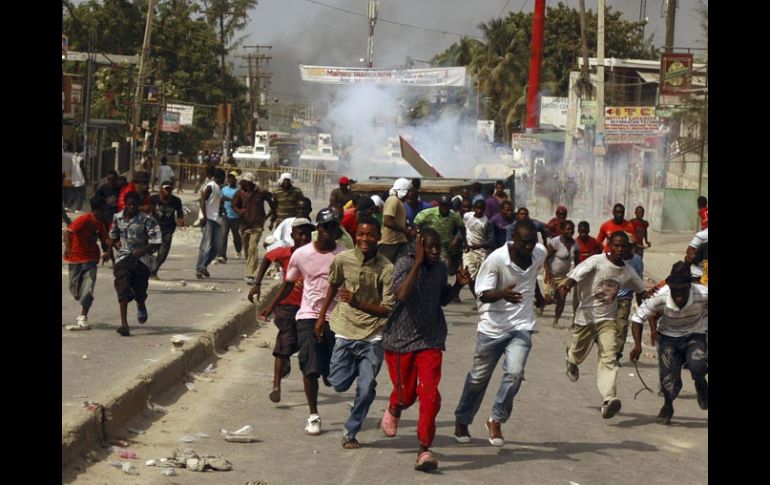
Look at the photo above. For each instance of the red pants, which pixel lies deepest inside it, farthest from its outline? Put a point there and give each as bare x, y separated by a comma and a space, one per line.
405, 371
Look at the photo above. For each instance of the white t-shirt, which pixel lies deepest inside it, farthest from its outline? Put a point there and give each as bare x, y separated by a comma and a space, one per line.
598, 284
76, 174
700, 238
474, 228
498, 272
563, 257
675, 321
313, 267
212, 203
165, 174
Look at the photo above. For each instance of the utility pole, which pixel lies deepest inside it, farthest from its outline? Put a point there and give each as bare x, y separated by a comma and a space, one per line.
373, 7
643, 14
536, 56
599, 148
670, 20
138, 98
258, 77
89, 87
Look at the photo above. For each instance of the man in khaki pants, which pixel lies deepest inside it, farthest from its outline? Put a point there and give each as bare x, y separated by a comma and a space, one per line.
599, 279
249, 203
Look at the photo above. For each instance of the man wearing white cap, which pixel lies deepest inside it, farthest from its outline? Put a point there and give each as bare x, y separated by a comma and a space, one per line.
286, 197
395, 233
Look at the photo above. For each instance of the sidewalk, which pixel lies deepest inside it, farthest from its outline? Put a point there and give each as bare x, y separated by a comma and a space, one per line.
555, 435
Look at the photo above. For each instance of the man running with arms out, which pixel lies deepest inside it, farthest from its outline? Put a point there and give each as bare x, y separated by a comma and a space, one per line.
286, 309
681, 327
311, 263
364, 280
599, 279
139, 235
415, 337
506, 287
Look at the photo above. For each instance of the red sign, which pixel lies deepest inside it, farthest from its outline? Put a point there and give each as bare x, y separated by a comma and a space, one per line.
675, 73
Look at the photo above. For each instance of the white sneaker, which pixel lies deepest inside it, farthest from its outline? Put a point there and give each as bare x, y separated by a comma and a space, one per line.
238, 255
82, 322
313, 426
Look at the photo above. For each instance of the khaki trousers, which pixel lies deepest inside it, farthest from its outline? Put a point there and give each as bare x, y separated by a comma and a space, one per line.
605, 334
624, 310
251, 239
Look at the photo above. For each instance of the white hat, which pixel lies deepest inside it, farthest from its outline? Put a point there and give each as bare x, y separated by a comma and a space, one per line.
248, 176
377, 200
284, 176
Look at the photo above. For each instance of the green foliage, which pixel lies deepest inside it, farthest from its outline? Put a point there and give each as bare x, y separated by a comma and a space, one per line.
184, 61
500, 65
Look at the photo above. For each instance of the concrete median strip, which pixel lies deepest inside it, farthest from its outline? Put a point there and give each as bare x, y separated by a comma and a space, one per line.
89, 429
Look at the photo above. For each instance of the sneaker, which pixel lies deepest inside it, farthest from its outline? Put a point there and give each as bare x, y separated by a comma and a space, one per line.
238, 255
221, 260
426, 462
573, 372
205, 273
495, 433
462, 435
610, 408
81, 321
703, 395
389, 424
313, 426
665, 414
251, 281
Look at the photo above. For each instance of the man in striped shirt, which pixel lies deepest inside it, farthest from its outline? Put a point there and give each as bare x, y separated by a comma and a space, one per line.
363, 278
682, 327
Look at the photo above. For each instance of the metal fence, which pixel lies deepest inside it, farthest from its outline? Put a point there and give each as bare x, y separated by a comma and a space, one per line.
315, 184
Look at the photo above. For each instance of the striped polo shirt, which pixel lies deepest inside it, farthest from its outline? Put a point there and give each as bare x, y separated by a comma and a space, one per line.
371, 281
675, 321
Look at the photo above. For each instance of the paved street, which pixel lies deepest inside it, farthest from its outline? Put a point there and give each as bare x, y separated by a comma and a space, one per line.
556, 434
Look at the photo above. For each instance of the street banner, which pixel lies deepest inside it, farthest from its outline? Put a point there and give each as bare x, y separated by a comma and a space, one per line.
553, 111
438, 76
169, 121
522, 141
186, 112
485, 130
630, 124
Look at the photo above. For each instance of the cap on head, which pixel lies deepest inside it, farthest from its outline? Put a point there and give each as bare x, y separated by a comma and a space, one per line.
325, 216
680, 276
248, 177
301, 221
233, 173
284, 176
167, 183
402, 184
344, 180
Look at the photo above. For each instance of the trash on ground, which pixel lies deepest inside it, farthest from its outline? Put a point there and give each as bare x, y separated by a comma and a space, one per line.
179, 340
631, 375
91, 405
188, 458
120, 443
199, 377
152, 360
236, 438
189, 439
264, 344
234, 348
129, 469
210, 369
182, 283
135, 431
125, 454
169, 472
115, 464
84, 356
190, 386
156, 407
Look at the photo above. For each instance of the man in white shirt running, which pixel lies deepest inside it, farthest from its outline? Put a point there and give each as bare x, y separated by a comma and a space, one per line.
506, 286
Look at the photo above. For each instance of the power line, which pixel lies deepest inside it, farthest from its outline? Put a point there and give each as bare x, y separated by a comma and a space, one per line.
503, 9
417, 27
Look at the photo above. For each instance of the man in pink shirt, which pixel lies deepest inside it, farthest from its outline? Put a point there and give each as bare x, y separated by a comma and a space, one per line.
311, 263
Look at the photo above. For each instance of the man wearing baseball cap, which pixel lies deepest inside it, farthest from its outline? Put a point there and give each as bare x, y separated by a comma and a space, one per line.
682, 327
341, 196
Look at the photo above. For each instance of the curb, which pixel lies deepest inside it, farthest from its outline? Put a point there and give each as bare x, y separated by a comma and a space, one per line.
87, 432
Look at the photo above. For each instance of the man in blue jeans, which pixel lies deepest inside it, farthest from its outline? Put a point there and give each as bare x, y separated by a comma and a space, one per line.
211, 242
364, 279
506, 287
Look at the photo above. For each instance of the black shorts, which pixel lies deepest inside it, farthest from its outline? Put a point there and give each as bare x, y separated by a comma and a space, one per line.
132, 277
286, 340
314, 356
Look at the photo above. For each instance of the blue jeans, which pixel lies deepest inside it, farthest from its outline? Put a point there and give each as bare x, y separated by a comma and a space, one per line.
211, 243
516, 346
351, 359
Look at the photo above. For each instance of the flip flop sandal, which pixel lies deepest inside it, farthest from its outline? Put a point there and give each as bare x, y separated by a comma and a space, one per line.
350, 443
426, 462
